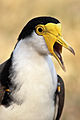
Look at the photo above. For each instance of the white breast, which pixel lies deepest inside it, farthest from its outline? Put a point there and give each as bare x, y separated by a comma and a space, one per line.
36, 84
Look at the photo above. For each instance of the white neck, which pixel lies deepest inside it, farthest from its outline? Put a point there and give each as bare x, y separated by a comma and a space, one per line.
36, 81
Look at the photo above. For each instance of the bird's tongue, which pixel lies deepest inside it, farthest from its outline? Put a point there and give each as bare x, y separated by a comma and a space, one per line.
57, 48
59, 56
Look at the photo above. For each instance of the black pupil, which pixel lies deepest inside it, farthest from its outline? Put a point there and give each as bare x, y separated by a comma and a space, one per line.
40, 29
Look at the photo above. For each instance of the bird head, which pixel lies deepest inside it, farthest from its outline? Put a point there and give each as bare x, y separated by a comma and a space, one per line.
47, 32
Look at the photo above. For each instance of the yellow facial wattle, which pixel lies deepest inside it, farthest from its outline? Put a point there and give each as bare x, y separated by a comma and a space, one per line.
52, 35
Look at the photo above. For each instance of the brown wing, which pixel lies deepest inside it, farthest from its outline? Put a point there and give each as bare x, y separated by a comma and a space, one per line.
60, 96
2, 91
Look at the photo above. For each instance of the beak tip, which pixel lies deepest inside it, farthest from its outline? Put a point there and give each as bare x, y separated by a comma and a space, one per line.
71, 50
64, 69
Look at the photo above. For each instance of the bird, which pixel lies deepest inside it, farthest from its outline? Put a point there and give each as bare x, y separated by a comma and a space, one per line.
30, 88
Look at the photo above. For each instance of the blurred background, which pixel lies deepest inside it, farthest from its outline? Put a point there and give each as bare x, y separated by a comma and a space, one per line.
15, 14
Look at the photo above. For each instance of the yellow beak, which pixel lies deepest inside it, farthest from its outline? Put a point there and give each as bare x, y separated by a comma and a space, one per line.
55, 42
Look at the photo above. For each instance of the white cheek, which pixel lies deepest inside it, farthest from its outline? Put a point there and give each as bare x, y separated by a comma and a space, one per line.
39, 43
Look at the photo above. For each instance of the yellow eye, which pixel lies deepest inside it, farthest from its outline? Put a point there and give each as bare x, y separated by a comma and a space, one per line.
40, 29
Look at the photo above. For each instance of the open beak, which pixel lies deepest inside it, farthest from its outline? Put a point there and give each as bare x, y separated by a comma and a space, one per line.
57, 50
55, 42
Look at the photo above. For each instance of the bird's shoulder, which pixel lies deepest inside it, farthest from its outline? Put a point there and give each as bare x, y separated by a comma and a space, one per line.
4, 69
4, 80
59, 97
3, 65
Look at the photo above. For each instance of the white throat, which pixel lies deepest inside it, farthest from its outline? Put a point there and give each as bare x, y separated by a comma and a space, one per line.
36, 81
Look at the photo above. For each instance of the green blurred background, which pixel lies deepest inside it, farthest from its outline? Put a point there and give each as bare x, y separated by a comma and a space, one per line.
15, 14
